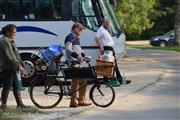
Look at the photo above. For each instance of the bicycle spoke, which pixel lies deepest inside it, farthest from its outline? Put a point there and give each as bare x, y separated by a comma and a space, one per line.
47, 96
98, 88
102, 95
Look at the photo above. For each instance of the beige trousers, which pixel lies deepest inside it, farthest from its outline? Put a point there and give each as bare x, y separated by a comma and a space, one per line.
78, 96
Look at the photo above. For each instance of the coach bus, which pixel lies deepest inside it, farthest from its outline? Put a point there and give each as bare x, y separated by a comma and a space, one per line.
41, 23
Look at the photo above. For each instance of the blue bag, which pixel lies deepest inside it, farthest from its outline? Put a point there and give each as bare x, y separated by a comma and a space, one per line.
51, 52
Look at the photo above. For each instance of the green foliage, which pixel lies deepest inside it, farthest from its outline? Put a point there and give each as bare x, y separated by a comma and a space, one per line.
164, 19
135, 15
143, 19
177, 22
17, 113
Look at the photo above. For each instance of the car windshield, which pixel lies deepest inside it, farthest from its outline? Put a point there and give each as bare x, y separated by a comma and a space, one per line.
169, 33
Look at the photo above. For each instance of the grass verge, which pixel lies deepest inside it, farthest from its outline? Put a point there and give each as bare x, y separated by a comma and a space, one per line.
17, 113
145, 47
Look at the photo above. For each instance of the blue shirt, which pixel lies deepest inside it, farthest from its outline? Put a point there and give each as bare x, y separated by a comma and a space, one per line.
72, 47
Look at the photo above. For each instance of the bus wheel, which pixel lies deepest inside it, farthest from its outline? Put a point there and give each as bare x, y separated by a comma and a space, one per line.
29, 66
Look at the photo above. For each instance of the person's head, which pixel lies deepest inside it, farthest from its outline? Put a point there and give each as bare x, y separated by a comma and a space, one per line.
9, 31
77, 28
105, 22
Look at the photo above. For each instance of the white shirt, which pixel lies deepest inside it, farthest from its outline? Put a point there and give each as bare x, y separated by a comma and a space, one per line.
105, 37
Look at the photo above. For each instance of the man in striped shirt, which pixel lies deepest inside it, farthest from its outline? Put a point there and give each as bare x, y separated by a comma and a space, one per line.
75, 56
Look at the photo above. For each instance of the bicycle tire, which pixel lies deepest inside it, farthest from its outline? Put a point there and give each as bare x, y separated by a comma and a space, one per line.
39, 99
102, 94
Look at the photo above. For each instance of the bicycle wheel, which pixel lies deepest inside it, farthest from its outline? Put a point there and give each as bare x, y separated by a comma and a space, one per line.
102, 94
46, 96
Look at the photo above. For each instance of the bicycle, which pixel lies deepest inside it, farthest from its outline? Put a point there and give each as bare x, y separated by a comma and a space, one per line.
47, 90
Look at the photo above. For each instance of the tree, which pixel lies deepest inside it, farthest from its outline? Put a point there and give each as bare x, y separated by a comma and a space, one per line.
177, 22
143, 19
163, 17
135, 15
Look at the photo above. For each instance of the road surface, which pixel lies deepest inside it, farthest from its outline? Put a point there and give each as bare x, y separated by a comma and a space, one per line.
160, 101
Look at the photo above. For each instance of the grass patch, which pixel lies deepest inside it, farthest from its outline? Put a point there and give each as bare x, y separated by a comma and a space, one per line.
17, 113
145, 47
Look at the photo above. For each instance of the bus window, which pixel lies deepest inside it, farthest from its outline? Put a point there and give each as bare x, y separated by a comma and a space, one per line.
28, 10
2, 10
57, 7
75, 8
82, 11
48, 9
12, 9
108, 11
15, 10
87, 9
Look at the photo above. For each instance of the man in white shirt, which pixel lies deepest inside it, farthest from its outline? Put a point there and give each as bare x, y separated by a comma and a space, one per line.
105, 41
103, 37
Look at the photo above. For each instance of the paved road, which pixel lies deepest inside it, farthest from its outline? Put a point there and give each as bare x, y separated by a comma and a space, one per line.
144, 68
160, 101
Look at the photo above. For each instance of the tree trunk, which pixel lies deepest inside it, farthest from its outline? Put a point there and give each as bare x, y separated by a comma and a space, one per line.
177, 22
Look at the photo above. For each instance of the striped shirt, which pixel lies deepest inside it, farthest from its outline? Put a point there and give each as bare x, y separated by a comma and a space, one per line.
72, 47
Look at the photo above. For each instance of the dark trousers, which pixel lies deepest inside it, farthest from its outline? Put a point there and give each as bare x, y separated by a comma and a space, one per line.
1, 79
118, 74
10, 79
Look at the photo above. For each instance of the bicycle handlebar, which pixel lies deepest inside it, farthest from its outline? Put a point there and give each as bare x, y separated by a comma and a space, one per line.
87, 59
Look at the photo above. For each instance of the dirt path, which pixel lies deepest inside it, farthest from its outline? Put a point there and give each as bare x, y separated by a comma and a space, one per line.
139, 42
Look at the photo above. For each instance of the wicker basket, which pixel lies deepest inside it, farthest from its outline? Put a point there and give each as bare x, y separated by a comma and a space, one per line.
104, 68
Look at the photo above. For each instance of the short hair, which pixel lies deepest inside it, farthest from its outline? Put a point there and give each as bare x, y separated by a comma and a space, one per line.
77, 25
8, 28
105, 18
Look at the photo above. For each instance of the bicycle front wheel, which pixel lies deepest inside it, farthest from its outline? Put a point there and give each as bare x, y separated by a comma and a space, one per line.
46, 96
102, 94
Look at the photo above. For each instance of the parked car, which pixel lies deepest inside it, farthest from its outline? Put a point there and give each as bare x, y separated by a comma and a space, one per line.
167, 39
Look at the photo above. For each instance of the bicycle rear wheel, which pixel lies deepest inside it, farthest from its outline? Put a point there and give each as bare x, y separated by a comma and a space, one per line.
46, 96
102, 94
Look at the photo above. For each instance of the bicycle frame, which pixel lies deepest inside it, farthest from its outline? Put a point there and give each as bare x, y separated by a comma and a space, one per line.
50, 81
91, 75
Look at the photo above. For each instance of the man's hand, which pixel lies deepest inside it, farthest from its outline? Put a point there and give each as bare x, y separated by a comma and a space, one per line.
21, 69
98, 42
102, 51
80, 58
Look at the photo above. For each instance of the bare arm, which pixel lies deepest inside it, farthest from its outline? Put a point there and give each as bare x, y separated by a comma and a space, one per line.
98, 42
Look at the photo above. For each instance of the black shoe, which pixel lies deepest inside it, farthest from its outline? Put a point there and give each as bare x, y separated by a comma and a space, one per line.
128, 81
119, 80
73, 105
